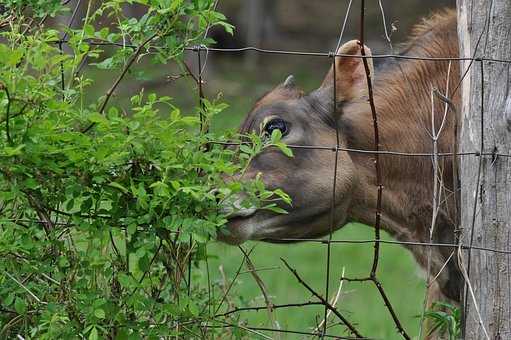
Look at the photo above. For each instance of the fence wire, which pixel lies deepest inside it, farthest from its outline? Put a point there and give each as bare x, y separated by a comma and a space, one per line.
201, 53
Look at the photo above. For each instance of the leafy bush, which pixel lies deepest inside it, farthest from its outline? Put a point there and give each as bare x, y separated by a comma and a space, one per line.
445, 320
105, 209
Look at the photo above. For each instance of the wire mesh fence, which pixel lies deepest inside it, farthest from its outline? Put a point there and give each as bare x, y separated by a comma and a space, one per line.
376, 153
456, 249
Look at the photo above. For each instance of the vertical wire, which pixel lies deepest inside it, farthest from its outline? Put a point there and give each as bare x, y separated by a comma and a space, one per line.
61, 51
202, 124
334, 185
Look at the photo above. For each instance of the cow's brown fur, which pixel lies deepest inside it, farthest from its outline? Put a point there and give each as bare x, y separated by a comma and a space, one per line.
403, 104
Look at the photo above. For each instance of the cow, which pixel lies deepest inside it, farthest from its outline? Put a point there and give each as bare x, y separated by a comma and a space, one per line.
405, 103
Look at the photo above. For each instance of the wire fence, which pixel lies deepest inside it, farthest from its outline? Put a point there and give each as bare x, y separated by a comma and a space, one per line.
376, 153
321, 299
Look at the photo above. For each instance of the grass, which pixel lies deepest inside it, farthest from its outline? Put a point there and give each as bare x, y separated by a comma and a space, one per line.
359, 302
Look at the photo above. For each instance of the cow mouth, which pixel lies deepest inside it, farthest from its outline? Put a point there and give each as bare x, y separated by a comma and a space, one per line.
280, 241
235, 231
273, 228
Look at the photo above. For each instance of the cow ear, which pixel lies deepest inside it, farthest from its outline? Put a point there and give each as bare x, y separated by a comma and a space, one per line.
350, 73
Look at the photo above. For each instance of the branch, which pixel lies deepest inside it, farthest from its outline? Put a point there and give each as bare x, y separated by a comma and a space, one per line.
25, 288
323, 301
334, 303
262, 286
120, 77
258, 308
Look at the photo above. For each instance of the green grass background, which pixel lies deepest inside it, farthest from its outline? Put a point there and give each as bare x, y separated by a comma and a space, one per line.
359, 302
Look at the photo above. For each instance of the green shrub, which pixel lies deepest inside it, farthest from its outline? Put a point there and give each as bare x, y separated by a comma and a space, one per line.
104, 208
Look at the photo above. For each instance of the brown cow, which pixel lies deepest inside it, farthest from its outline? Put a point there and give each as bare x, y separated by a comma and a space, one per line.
402, 95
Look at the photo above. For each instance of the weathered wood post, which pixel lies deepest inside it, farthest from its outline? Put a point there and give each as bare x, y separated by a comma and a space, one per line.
484, 29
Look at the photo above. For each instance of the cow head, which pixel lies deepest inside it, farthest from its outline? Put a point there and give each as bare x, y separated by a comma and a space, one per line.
303, 119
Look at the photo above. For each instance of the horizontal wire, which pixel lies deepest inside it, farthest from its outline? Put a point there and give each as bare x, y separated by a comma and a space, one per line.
326, 241
380, 152
226, 325
393, 242
297, 53
332, 54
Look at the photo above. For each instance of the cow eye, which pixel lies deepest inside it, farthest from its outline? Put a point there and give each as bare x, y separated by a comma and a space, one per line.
276, 124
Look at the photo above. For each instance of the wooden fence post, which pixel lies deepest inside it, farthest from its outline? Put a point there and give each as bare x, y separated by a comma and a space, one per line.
484, 29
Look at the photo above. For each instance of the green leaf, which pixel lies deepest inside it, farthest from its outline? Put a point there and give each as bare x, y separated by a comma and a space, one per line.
119, 186
285, 149
246, 149
20, 306
93, 335
275, 209
99, 313
276, 136
13, 151
9, 299
192, 307
96, 117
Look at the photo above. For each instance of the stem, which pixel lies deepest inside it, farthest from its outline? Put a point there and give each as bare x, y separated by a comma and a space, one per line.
7, 113
120, 77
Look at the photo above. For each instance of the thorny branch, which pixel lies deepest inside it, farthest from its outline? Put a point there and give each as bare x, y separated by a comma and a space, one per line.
258, 308
352, 329
379, 184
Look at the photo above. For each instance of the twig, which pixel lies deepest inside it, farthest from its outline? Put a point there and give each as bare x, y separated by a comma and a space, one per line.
258, 308
25, 288
352, 329
41, 212
376, 143
120, 77
339, 41
232, 282
333, 303
262, 287
230, 305
437, 184
246, 329
260, 269
441, 269
387, 36
470, 289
